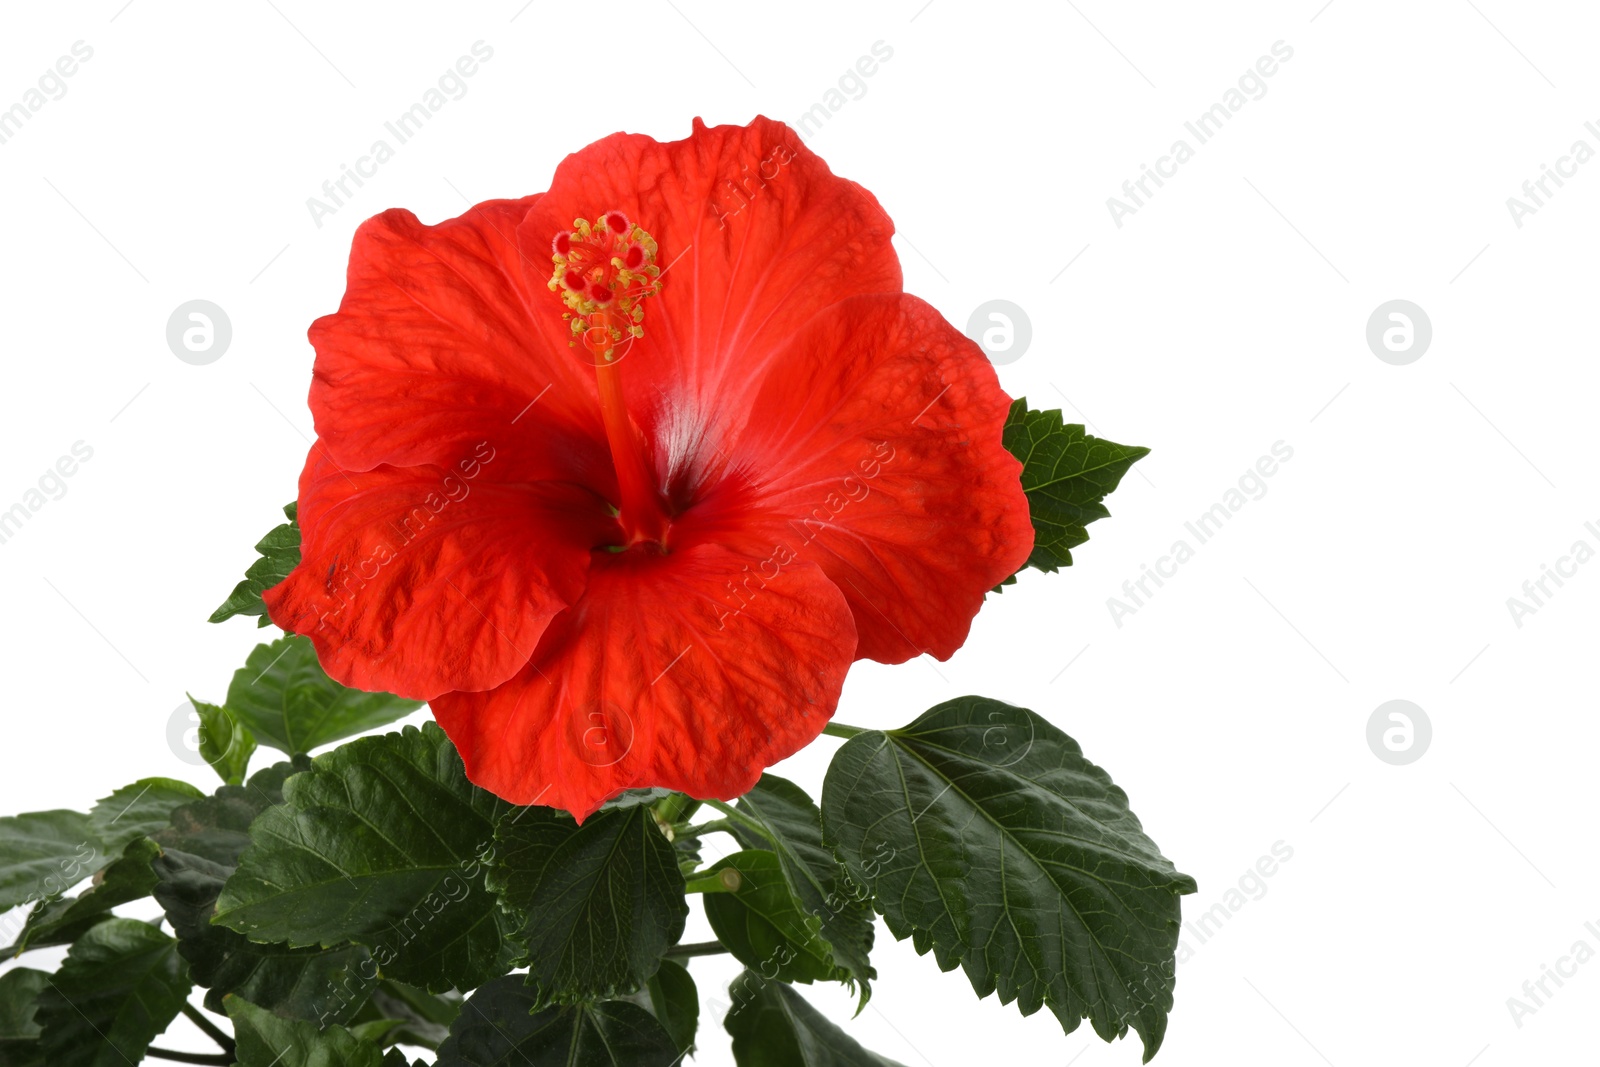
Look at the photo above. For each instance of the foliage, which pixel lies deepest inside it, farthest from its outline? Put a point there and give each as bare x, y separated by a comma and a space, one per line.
334, 907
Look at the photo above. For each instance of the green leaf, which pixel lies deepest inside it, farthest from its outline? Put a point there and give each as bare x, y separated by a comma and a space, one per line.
21, 1054
793, 830
312, 984
602, 901
772, 1025
988, 838
266, 1040
280, 554
45, 853
1066, 474
762, 925
18, 989
121, 985
138, 810
377, 1031
225, 742
497, 1030
287, 701
380, 844
672, 997
128, 878
201, 849
630, 798
19, 1033
410, 1016
218, 826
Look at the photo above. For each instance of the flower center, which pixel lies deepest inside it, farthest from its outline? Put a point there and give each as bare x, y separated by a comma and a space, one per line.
603, 272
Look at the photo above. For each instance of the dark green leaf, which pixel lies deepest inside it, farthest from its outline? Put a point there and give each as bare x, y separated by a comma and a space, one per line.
128, 878
687, 850
379, 843
410, 1016
774, 1026
19, 1033
138, 810
672, 997
602, 901
202, 848
988, 838
377, 1031
218, 826
280, 554
496, 1030
225, 742
21, 1054
266, 1040
1066, 474
18, 988
44, 854
287, 701
312, 984
121, 985
762, 925
793, 829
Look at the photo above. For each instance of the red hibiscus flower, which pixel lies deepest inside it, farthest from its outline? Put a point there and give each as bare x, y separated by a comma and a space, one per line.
622, 477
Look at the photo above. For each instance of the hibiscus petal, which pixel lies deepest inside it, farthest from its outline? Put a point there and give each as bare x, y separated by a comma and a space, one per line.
438, 336
756, 235
678, 671
421, 580
874, 449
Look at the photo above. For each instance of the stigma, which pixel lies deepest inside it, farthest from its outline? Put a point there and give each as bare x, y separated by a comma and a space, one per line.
603, 272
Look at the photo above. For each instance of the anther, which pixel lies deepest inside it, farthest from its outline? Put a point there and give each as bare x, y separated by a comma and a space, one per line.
602, 273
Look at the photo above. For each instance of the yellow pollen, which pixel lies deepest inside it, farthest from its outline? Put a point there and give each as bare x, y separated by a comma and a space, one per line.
603, 271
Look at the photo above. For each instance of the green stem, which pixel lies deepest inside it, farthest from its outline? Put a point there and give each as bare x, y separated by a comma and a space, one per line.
221, 1059
675, 808
684, 829
726, 880
839, 729
214, 1032
697, 948
734, 815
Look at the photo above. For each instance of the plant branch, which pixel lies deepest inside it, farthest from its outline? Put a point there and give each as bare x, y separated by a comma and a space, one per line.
212, 1030
726, 880
221, 1059
839, 729
674, 808
734, 815
696, 948
684, 829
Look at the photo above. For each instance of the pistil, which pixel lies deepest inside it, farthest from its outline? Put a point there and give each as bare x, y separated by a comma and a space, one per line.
603, 273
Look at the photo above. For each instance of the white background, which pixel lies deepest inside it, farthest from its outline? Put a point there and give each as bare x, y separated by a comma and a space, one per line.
1227, 314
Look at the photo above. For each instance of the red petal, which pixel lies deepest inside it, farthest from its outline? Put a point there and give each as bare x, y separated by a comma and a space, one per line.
877, 438
422, 580
756, 235
659, 677
447, 333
